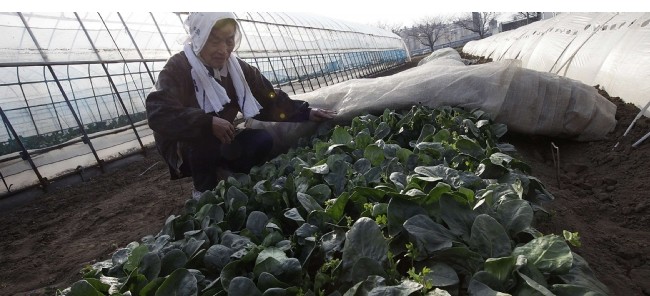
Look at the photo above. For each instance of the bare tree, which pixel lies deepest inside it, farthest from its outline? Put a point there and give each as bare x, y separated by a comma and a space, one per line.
477, 22
428, 31
393, 27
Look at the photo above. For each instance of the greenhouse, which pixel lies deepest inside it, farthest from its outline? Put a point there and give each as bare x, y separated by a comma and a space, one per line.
606, 49
511, 165
73, 85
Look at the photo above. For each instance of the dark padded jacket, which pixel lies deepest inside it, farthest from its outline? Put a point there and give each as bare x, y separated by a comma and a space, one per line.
175, 116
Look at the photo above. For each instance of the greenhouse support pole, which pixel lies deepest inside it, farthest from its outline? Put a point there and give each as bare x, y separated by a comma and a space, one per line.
289, 56
24, 154
295, 44
49, 92
136, 47
85, 138
320, 49
22, 90
110, 80
58, 83
161, 34
268, 27
4, 182
277, 81
311, 63
312, 30
311, 56
126, 112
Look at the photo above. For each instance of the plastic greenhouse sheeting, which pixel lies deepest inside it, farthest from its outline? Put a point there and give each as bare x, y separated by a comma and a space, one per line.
527, 101
73, 84
608, 49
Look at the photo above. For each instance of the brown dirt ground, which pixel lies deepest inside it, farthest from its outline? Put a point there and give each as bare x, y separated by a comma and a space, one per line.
603, 194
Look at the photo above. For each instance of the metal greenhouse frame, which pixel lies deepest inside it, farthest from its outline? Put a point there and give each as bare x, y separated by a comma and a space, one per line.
73, 85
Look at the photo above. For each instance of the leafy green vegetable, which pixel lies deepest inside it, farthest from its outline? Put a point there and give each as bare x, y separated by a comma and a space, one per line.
414, 201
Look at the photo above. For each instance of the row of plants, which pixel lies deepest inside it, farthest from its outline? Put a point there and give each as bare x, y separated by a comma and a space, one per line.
423, 201
64, 135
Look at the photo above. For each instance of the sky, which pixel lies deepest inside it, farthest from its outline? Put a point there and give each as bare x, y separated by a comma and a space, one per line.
400, 12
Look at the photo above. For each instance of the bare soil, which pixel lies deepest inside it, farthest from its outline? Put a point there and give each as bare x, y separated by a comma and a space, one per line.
602, 193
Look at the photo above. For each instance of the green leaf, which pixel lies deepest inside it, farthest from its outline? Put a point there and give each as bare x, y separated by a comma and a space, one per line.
489, 238
306, 231
376, 285
374, 154
135, 257
256, 222
308, 203
572, 237
399, 179
442, 136
515, 215
173, 260
428, 235
460, 258
150, 266
470, 147
336, 210
441, 275
362, 165
530, 287
274, 253
322, 169
426, 134
213, 211
341, 136
362, 140
83, 288
268, 264
294, 215
450, 176
332, 242
243, 286
399, 210
179, 282
230, 271
500, 268
498, 129
458, 217
438, 292
152, 286
382, 130
550, 254
320, 193
581, 275
478, 288
362, 269
235, 198
364, 239
217, 257
267, 281
573, 290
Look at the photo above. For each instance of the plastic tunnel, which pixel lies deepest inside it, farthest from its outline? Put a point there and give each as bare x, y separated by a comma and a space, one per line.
608, 49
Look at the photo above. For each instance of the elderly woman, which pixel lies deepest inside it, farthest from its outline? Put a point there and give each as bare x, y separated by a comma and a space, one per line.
199, 93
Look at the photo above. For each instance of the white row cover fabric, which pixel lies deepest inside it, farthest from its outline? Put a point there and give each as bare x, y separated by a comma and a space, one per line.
608, 49
527, 101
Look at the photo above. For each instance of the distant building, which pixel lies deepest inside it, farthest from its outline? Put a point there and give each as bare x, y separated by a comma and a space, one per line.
511, 25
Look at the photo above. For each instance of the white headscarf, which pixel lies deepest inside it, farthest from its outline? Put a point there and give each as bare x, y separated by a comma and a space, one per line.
210, 95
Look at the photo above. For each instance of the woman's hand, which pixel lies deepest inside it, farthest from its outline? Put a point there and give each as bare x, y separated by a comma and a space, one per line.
223, 130
321, 114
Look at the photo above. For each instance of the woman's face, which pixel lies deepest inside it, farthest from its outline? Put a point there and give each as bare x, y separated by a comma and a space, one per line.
219, 45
